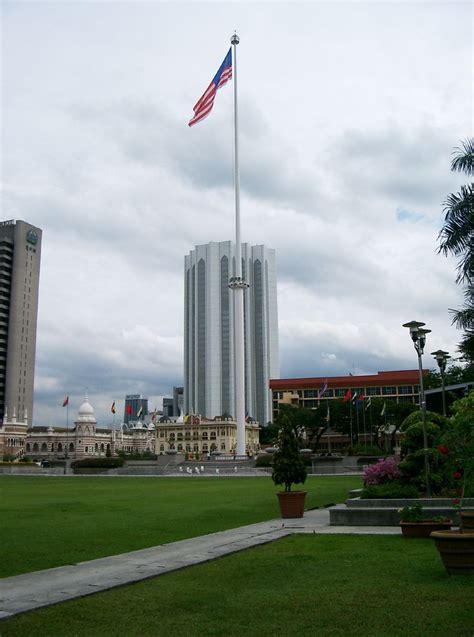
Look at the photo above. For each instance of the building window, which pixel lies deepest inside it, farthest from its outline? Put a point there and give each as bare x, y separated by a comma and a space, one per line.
405, 389
389, 391
374, 391
340, 393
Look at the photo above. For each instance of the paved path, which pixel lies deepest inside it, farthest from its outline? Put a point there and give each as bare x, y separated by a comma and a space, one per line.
43, 588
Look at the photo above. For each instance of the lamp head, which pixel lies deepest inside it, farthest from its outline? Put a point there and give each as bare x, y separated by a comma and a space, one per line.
414, 327
422, 338
441, 358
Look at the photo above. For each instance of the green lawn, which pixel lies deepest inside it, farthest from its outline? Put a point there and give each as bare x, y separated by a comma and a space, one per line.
52, 521
332, 585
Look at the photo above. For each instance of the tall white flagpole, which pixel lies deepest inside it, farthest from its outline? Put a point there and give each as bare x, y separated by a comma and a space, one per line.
236, 283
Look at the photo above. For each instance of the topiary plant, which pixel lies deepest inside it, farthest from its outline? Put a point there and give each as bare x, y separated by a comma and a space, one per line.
288, 466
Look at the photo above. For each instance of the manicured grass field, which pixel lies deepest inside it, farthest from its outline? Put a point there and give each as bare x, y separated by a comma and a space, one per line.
333, 585
52, 521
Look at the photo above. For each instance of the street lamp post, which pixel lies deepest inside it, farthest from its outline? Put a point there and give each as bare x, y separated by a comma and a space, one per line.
418, 336
442, 358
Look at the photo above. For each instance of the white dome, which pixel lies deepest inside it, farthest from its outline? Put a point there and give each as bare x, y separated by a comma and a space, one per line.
86, 412
86, 409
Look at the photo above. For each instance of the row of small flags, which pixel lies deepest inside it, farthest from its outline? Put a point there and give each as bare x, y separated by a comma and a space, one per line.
359, 398
113, 409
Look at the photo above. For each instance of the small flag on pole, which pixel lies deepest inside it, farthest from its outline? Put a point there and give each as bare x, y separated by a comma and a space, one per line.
354, 397
140, 411
347, 396
112, 409
129, 410
66, 401
369, 404
204, 106
328, 415
322, 391
384, 409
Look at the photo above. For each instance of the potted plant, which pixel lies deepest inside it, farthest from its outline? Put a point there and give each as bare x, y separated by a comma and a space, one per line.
415, 523
456, 547
288, 469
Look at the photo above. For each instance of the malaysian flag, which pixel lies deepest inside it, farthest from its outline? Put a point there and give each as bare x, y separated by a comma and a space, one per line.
204, 106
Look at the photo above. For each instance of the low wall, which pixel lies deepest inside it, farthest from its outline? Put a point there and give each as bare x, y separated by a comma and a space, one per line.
30, 470
358, 512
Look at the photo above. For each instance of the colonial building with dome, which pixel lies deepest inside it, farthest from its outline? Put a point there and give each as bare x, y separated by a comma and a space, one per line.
83, 439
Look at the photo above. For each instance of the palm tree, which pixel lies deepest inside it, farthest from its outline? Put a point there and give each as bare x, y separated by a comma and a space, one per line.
457, 237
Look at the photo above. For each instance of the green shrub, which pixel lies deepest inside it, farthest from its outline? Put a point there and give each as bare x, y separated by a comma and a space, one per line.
390, 491
98, 463
431, 417
365, 450
414, 437
264, 461
413, 470
288, 466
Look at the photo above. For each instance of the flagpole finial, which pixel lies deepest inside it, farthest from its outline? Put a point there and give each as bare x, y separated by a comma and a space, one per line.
235, 39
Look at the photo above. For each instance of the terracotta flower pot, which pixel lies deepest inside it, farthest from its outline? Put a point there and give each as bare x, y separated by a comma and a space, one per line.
456, 550
291, 503
423, 529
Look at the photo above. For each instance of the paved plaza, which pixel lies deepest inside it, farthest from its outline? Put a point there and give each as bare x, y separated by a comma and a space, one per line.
42, 588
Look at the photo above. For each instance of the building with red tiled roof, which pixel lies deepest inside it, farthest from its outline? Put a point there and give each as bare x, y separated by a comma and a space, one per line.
399, 386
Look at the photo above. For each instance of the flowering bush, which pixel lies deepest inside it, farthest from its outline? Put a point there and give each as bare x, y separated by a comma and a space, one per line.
385, 470
457, 447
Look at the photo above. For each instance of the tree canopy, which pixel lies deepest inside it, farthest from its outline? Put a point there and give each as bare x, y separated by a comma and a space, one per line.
457, 238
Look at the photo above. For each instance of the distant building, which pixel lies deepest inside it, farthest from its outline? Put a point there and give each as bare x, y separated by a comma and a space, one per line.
20, 257
136, 408
173, 407
399, 386
209, 387
83, 439
168, 407
195, 435
178, 401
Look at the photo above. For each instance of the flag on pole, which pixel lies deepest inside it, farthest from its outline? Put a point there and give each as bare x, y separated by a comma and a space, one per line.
384, 409
129, 410
140, 411
369, 404
204, 106
112, 409
66, 401
347, 396
322, 391
328, 415
354, 397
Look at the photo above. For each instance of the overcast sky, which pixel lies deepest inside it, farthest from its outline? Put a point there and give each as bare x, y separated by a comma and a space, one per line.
349, 113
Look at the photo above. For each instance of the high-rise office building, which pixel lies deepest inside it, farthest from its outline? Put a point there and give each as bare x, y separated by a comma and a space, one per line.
209, 387
178, 400
20, 257
136, 408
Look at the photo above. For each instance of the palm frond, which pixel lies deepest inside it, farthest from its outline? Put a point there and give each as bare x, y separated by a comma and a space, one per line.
463, 160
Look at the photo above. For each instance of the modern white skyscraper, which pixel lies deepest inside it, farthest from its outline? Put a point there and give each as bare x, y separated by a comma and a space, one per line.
20, 256
209, 329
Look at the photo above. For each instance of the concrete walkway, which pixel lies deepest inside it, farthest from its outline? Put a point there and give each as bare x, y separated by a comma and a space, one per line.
44, 588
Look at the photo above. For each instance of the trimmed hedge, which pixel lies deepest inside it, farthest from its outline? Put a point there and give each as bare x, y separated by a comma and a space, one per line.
264, 461
390, 491
98, 463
